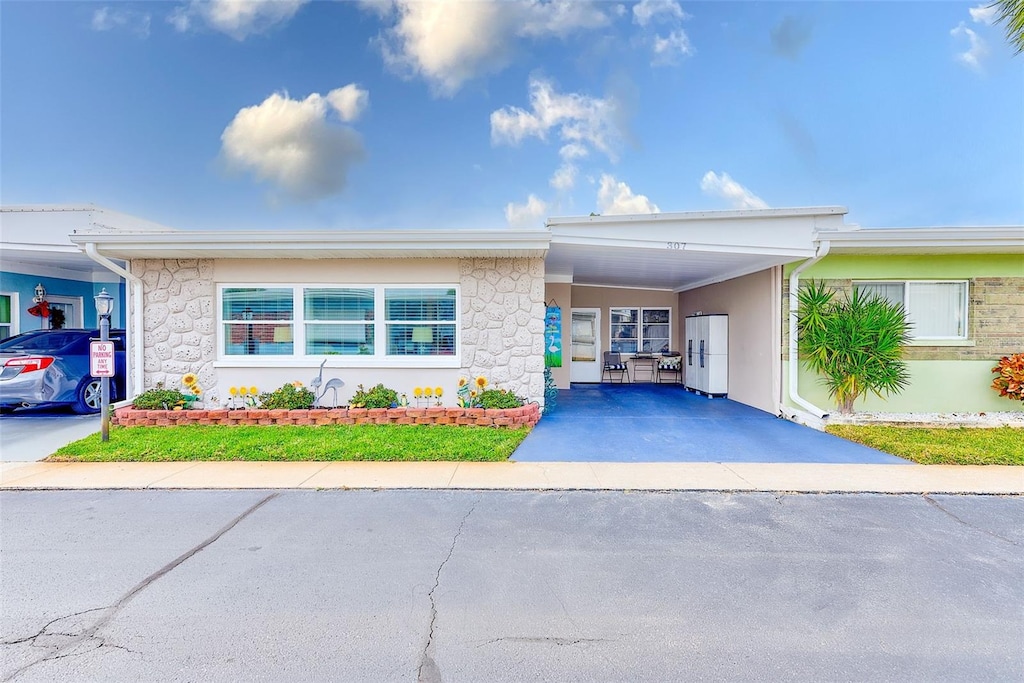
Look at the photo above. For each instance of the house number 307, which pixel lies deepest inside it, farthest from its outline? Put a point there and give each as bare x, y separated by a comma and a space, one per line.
674, 245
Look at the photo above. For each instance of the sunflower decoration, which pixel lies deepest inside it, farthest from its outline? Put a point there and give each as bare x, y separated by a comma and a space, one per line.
463, 382
428, 392
233, 391
481, 382
191, 389
438, 393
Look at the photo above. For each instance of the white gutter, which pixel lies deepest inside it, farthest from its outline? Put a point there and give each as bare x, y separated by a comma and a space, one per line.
136, 332
794, 305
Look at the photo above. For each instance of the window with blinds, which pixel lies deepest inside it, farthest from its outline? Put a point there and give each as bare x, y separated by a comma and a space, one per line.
318, 320
258, 321
420, 321
339, 321
935, 309
646, 330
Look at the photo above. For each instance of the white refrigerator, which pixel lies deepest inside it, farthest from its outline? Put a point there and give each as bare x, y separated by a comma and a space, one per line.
706, 354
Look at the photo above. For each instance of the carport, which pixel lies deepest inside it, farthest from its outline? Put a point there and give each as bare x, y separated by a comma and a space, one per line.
677, 265
665, 423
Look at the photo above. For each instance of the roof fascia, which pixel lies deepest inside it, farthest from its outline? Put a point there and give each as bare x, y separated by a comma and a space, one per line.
951, 238
698, 216
245, 244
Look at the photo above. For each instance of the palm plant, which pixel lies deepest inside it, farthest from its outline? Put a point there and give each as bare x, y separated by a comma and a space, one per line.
1011, 14
855, 342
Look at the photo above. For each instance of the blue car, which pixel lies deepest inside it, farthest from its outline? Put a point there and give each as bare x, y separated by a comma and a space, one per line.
49, 368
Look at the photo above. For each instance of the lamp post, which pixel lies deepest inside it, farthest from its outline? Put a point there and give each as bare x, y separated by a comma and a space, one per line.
104, 307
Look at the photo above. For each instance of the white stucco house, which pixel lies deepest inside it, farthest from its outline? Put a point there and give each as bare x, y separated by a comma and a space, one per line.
426, 307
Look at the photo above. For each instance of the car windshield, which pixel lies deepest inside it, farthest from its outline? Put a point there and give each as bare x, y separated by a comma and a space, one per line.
50, 341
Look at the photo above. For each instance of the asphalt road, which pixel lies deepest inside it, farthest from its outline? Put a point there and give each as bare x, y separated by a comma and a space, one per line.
503, 586
29, 435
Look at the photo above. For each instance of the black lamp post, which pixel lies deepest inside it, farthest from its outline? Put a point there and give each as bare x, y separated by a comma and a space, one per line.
104, 307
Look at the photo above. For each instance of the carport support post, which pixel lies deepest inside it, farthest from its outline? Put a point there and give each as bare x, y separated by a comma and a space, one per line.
104, 306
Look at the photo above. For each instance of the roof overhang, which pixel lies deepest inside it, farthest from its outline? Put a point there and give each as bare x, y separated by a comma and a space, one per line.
988, 240
320, 244
681, 251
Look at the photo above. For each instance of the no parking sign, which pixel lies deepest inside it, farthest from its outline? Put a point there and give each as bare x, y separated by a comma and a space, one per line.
101, 358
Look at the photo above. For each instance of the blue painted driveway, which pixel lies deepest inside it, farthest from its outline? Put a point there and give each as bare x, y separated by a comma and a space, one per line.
665, 423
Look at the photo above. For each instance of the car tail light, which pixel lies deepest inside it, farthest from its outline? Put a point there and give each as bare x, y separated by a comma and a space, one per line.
30, 363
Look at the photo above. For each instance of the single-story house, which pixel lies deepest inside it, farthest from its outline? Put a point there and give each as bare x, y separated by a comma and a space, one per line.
427, 307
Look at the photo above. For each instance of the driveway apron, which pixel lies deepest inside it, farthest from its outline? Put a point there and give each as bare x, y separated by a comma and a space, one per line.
665, 423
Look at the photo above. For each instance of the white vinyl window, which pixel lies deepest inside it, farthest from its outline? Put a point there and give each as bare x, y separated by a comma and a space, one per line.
641, 330
8, 310
319, 321
935, 309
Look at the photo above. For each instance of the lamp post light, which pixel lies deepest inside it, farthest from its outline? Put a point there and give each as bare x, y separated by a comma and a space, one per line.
104, 307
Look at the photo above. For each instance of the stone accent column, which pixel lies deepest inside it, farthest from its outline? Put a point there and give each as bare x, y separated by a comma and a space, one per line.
503, 323
178, 322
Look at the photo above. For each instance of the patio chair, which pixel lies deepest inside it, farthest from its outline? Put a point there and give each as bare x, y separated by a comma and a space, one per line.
613, 363
671, 365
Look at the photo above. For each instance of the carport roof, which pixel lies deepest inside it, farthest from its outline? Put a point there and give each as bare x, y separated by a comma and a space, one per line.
680, 251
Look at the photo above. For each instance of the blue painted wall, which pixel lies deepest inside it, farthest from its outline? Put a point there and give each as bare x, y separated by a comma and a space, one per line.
25, 286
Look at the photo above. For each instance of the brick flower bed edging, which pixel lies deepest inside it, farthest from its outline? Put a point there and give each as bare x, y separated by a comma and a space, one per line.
439, 415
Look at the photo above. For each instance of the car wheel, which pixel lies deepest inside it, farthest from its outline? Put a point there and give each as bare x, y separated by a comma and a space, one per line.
89, 397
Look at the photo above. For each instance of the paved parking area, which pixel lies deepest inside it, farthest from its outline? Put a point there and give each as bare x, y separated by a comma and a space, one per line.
665, 423
29, 435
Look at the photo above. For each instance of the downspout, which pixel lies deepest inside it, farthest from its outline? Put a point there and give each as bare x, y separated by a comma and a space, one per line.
136, 334
794, 305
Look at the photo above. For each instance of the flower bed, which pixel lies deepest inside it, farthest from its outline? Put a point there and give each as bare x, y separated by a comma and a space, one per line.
437, 415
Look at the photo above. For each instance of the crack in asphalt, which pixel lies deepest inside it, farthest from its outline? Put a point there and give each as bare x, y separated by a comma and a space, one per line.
428, 671
939, 507
88, 634
554, 640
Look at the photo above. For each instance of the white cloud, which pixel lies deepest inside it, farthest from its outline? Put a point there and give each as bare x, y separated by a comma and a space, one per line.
646, 11
349, 101
564, 177
294, 144
725, 187
977, 51
668, 49
615, 197
448, 42
110, 18
526, 215
579, 120
984, 14
236, 18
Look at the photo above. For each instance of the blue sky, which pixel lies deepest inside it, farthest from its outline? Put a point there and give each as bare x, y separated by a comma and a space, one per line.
399, 114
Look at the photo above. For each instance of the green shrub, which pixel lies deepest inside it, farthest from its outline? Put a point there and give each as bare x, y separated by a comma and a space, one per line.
377, 397
288, 397
498, 398
159, 398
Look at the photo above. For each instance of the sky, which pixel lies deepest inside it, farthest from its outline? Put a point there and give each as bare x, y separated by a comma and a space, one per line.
414, 114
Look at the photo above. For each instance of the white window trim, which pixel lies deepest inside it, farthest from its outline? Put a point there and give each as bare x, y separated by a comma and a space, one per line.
916, 340
379, 358
78, 315
640, 326
15, 313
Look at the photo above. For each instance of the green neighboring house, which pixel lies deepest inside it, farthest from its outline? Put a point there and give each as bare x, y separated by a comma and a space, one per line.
963, 290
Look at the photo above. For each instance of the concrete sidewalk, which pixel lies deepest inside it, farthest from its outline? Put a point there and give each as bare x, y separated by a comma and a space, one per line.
800, 478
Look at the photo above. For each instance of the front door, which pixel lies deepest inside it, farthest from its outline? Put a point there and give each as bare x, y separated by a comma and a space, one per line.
586, 345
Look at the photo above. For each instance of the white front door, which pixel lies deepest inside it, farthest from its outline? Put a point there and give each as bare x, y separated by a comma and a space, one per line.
585, 334
70, 306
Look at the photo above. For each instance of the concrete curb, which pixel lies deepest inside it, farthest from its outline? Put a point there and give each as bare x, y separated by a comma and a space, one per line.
531, 476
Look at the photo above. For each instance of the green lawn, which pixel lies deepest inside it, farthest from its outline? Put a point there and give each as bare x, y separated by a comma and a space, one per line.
958, 446
329, 442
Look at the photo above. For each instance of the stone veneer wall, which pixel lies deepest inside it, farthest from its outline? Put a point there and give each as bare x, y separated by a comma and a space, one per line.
178, 320
503, 323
